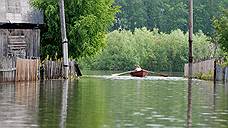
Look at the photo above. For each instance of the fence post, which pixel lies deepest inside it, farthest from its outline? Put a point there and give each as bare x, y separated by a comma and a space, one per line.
226, 74
215, 62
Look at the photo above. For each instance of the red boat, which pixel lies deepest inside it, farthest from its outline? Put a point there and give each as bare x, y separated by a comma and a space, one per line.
141, 73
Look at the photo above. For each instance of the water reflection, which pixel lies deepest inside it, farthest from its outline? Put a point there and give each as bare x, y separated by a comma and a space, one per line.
18, 105
226, 87
53, 103
189, 109
27, 94
214, 95
64, 104
108, 103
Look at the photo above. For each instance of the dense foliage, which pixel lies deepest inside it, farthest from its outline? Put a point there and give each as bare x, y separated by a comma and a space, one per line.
151, 50
221, 26
168, 15
136, 41
87, 25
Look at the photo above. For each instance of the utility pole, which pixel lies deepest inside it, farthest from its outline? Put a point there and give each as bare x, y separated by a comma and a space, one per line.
64, 39
190, 56
190, 61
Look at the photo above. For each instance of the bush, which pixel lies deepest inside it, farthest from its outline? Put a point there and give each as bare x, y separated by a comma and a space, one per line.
150, 49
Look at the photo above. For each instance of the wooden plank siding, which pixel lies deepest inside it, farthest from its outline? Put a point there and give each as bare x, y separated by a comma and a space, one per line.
7, 69
3, 42
14, 42
33, 39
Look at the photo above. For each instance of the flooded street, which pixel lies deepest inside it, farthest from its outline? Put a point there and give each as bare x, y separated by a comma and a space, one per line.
113, 102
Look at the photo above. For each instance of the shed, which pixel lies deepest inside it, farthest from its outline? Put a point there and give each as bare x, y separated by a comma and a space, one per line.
19, 29
19, 40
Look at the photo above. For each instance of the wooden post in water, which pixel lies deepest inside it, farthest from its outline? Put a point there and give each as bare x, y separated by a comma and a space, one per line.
190, 37
190, 61
64, 40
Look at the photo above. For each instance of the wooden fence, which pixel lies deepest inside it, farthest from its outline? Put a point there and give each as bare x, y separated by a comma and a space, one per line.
226, 74
205, 67
15, 69
212, 68
54, 69
27, 70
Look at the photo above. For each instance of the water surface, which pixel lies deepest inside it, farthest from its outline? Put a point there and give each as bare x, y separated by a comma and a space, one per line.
113, 102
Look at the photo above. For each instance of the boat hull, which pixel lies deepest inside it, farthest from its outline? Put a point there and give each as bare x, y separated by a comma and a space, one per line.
141, 73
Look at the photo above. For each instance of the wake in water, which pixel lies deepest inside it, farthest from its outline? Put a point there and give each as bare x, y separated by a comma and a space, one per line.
138, 78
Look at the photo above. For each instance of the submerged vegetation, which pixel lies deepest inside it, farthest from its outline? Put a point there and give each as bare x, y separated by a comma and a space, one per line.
152, 50
204, 76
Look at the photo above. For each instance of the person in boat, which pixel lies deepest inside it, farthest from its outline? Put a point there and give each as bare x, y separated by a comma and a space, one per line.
138, 68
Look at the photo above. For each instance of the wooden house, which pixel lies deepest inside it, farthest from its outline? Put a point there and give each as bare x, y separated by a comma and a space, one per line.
19, 40
19, 29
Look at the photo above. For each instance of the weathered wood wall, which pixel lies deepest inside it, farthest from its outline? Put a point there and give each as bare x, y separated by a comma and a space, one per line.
7, 69
3, 42
54, 69
19, 11
201, 67
23, 43
32, 38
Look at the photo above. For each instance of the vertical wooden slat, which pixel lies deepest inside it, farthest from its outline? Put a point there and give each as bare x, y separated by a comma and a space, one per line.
34, 75
26, 65
1, 42
30, 71
37, 69
34, 70
38, 42
24, 69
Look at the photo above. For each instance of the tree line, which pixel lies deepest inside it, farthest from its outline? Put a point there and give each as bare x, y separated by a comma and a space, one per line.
168, 15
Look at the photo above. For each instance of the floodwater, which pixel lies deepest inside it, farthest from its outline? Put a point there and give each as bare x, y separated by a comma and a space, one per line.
114, 102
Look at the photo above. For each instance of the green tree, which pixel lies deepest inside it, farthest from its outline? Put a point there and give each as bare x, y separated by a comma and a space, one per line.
221, 26
168, 15
132, 14
87, 24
